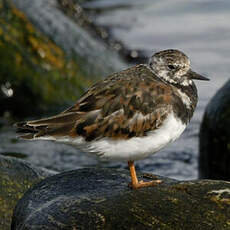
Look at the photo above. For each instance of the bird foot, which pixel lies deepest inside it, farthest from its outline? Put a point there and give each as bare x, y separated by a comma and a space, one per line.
142, 184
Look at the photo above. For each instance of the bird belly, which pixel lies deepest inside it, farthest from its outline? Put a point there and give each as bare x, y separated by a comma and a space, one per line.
135, 148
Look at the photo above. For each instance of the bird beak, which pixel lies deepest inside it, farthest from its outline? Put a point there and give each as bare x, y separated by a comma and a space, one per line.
196, 76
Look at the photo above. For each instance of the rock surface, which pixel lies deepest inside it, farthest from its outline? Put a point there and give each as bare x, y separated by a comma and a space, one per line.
68, 34
16, 176
46, 59
33, 69
100, 199
214, 158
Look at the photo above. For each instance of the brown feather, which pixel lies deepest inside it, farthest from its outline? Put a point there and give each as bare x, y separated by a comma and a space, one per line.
126, 104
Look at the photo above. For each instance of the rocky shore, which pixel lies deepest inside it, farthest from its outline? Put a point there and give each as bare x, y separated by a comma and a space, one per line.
48, 58
101, 199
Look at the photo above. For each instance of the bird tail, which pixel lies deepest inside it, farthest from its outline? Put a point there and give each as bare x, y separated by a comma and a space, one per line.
48, 128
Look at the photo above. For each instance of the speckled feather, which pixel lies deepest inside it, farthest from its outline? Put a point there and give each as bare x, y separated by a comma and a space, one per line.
124, 105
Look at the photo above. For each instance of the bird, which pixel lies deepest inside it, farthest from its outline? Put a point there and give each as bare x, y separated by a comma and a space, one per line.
128, 115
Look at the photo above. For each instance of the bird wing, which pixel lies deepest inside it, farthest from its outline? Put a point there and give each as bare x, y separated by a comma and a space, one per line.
124, 105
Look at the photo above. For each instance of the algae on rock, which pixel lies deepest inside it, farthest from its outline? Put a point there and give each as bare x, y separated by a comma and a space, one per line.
16, 176
35, 74
100, 199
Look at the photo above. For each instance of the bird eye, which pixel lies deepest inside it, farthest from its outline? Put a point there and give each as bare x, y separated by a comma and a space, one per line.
171, 67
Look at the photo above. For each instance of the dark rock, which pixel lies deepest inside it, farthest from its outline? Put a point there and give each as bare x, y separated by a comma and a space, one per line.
16, 176
100, 199
3, 122
214, 158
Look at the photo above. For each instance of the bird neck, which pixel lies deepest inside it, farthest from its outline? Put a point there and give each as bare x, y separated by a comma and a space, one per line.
189, 98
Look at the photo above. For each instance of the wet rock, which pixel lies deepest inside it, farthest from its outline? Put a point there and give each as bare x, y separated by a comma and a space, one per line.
33, 69
16, 176
214, 158
93, 54
46, 59
100, 199
3, 122
85, 16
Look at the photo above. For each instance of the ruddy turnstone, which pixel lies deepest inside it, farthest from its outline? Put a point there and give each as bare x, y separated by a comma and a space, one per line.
129, 115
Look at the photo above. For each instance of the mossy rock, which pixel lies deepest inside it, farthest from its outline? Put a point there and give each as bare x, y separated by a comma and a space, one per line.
36, 74
100, 199
16, 176
214, 156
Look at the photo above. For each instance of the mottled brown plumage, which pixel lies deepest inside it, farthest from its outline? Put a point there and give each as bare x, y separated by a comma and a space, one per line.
126, 104
139, 109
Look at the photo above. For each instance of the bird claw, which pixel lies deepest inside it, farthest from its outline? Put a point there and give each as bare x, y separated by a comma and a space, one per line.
142, 184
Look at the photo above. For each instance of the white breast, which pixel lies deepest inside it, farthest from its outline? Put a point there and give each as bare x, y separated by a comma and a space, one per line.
137, 147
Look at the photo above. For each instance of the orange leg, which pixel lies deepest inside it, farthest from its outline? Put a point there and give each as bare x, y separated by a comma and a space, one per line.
135, 184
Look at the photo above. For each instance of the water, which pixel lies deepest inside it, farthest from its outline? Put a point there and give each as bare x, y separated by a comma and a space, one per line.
199, 28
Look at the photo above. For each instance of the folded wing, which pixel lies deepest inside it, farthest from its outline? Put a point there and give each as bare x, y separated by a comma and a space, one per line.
121, 106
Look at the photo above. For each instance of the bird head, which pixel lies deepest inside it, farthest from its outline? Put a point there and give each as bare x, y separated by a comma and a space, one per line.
173, 66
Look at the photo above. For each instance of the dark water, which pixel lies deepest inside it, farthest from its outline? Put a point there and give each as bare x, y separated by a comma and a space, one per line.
199, 28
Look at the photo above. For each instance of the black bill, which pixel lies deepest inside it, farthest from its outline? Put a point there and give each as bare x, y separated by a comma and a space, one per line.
196, 76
